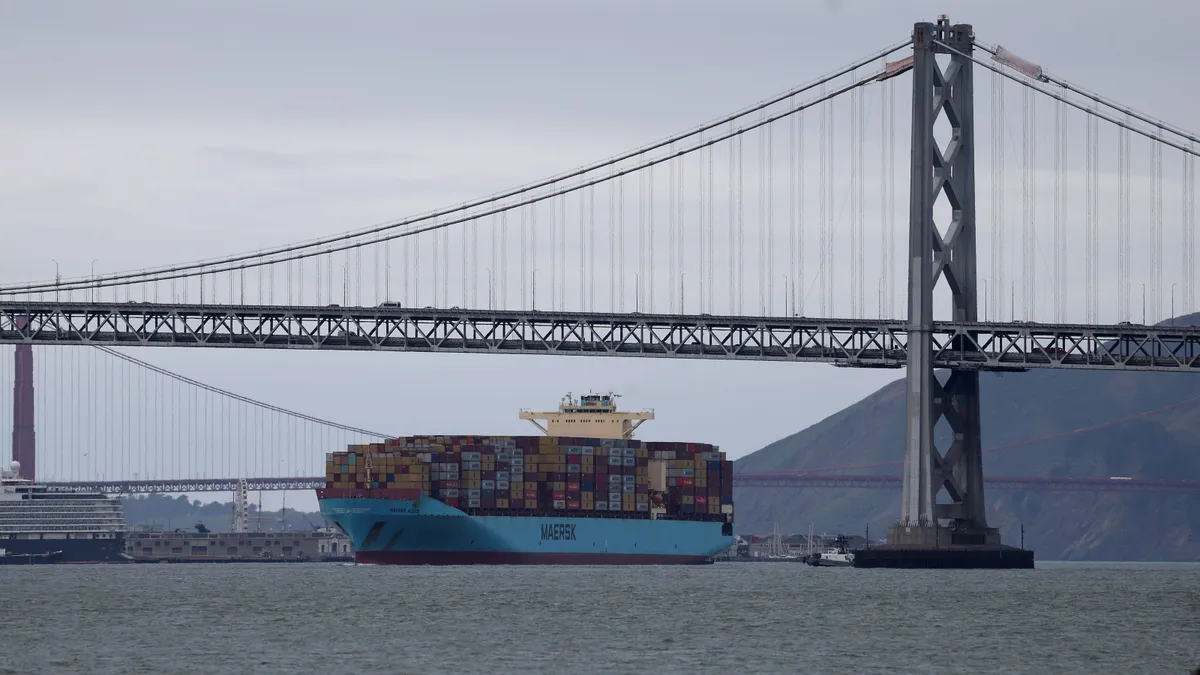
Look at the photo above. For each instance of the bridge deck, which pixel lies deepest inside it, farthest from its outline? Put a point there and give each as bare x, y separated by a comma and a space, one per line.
843, 342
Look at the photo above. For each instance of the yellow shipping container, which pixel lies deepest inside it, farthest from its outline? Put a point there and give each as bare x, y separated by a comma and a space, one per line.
531, 503
641, 453
501, 503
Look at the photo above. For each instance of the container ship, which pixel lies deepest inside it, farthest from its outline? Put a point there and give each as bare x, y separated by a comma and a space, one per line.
584, 492
40, 525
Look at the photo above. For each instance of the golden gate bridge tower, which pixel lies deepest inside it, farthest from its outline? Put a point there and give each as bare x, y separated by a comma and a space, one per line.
23, 441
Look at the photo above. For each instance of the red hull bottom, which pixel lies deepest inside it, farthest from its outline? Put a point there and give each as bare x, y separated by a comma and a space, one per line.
505, 558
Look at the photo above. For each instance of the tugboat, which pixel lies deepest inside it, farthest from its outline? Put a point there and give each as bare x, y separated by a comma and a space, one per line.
834, 556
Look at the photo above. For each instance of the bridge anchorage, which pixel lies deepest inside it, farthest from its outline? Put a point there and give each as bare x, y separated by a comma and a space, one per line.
929, 533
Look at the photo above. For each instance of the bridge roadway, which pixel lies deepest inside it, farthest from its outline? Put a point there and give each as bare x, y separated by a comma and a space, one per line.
763, 480
843, 342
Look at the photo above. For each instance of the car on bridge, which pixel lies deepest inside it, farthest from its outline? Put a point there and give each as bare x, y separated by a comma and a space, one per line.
1052, 352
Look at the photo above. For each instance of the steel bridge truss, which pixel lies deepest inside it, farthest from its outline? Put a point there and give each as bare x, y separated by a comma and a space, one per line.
851, 343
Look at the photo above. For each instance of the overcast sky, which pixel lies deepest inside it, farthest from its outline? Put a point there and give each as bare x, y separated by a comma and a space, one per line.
138, 134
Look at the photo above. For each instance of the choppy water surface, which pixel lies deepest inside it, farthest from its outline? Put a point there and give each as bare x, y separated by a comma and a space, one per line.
746, 618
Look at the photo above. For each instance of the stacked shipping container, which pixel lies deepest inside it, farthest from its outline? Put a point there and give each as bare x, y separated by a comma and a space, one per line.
537, 475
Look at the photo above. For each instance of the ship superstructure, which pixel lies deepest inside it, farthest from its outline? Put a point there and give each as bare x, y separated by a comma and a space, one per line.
586, 492
589, 416
36, 521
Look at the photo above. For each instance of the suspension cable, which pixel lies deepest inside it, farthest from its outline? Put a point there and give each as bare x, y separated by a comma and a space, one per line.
183, 271
237, 397
157, 273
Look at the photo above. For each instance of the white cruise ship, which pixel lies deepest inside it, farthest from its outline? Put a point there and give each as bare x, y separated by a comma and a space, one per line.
40, 525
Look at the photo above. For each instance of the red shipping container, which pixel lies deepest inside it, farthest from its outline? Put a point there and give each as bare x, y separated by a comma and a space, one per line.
573, 459
687, 482
449, 483
559, 495
573, 486
573, 504
450, 501
531, 494
701, 499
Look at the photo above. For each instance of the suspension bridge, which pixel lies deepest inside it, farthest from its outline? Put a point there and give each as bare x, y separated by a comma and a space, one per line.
126, 412
645, 254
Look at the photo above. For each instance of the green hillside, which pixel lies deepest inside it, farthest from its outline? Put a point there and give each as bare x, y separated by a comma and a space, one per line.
1017, 407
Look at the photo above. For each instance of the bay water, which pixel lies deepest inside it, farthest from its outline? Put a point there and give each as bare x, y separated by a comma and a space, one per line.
722, 618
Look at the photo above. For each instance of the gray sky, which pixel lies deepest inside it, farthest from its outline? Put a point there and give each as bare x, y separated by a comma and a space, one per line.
139, 134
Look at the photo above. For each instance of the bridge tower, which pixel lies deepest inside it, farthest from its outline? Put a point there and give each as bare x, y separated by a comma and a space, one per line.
955, 532
24, 448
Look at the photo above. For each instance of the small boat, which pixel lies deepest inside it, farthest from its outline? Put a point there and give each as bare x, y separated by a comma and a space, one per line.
48, 558
834, 556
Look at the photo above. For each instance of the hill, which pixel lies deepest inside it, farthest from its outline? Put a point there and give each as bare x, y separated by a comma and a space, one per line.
1093, 423
169, 513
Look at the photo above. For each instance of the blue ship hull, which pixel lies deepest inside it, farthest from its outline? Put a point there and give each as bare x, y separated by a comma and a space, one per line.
429, 532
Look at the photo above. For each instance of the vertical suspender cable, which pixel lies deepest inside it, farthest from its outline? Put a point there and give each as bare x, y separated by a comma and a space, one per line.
741, 226
554, 262
502, 302
649, 280
770, 219
640, 298
621, 243
793, 197
1157, 224
679, 226
1028, 268
732, 225
712, 244
762, 305
612, 245
701, 231
524, 259
1189, 232
562, 252
591, 266
533, 249
672, 266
